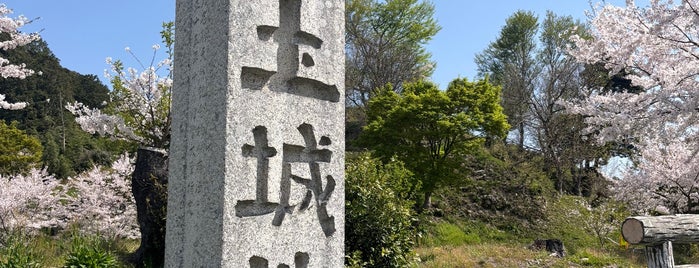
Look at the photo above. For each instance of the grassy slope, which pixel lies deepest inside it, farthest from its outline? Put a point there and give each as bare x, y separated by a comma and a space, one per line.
475, 244
515, 255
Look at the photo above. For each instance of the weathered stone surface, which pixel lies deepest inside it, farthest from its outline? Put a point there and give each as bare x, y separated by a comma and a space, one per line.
257, 154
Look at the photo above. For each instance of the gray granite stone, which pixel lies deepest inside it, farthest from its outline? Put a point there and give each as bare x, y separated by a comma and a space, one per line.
257, 154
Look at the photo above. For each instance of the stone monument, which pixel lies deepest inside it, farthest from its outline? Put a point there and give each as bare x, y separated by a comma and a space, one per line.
257, 156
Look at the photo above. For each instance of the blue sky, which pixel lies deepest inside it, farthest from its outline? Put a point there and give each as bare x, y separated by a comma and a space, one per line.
83, 33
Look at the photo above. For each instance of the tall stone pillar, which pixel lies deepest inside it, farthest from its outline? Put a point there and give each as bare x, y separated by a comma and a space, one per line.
257, 154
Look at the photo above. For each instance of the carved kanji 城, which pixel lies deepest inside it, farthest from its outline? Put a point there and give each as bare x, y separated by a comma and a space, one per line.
310, 155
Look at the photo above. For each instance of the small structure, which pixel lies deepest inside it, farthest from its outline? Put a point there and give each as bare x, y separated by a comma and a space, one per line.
658, 234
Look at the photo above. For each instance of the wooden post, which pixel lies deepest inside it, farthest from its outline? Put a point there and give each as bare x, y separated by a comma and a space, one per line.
660, 255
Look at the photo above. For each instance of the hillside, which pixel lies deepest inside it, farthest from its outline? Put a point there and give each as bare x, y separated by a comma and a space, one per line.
67, 149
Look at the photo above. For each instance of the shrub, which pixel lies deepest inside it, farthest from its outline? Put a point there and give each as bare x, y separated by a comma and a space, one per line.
379, 229
579, 225
86, 252
19, 152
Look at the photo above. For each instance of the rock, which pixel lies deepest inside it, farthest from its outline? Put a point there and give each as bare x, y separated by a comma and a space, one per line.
554, 246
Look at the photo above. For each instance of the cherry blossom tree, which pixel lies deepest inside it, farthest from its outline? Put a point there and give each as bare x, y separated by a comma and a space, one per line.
103, 203
12, 38
99, 201
30, 200
139, 106
658, 46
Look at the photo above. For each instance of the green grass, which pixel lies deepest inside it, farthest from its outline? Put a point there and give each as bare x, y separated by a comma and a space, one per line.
475, 244
445, 233
495, 254
52, 251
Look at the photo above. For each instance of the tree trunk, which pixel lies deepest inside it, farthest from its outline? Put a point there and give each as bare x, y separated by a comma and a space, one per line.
521, 135
428, 200
681, 228
149, 187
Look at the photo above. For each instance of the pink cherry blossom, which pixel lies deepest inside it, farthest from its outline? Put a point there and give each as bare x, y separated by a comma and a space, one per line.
31, 200
99, 201
10, 26
142, 96
659, 45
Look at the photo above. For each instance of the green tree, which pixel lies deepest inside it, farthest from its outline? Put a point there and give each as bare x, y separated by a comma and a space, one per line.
19, 152
511, 62
379, 228
431, 130
385, 43
531, 62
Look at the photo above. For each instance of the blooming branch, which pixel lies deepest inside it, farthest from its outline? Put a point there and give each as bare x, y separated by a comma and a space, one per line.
10, 27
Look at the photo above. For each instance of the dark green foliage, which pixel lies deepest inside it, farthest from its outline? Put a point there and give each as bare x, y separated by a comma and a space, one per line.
19, 152
510, 62
67, 149
515, 45
87, 252
379, 227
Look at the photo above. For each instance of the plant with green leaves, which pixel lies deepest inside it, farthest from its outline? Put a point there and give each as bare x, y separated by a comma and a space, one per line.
580, 224
19, 152
510, 61
15, 252
385, 44
379, 228
432, 130
86, 252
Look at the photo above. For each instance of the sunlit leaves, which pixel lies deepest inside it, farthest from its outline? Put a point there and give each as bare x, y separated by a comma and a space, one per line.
430, 130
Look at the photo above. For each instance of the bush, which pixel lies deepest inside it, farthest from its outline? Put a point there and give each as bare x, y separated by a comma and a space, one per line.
379, 229
19, 152
88, 253
580, 225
